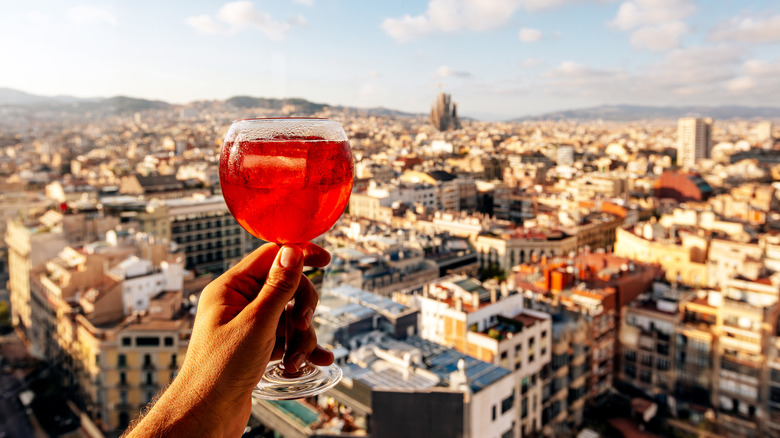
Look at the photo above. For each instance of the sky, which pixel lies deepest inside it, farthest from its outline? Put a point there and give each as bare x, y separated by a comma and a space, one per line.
497, 58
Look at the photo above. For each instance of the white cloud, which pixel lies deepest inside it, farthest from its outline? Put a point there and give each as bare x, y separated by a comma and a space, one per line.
759, 80
204, 24
693, 75
237, 16
740, 84
666, 36
656, 24
528, 35
532, 62
445, 71
304, 2
83, 14
535, 5
749, 30
298, 20
447, 16
636, 13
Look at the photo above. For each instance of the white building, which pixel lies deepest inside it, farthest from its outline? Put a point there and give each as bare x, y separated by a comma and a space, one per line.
141, 281
694, 140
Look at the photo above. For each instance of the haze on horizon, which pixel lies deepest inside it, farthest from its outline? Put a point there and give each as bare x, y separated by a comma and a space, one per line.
498, 58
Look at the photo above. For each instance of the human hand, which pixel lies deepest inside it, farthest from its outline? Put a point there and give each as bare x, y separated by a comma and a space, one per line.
236, 334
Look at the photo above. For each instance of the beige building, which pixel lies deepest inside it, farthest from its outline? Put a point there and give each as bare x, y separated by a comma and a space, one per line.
511, 248
30, 245
362, 205
686, 264
75, 306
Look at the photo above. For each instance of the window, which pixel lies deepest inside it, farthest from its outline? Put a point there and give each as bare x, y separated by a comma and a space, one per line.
147, 360
149, 379
122, 378
121, 360
173, 360
507, 403
524, 408
494, 412
123, 397
524, 385
126, 341
147, 341
630, 355
168, 341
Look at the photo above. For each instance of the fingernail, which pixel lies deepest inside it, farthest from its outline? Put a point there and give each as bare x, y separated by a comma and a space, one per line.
290, 257
307, 317
297, 361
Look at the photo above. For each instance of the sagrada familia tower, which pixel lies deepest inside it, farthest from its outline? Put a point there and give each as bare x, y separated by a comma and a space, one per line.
444, 113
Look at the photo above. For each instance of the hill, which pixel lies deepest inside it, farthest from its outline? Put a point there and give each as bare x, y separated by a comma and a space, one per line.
624, 113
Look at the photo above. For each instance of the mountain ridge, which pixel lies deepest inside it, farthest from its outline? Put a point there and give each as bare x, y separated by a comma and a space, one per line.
625, 113
621, 112
123, 104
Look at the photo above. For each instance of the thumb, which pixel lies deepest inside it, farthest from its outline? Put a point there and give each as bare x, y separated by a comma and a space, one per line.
279, 286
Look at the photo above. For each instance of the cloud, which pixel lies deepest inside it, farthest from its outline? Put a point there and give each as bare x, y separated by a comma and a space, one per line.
304, 2
451, 16
666, 36
758, 79
528, 35
445, 71
204, 24
657, 24
748, 30
374, 74
697, 74
83, 14
636, 13
238, 16
532, 62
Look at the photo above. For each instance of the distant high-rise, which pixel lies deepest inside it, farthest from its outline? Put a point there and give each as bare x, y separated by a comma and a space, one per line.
694, 140
444, 113
565, 155
763, 133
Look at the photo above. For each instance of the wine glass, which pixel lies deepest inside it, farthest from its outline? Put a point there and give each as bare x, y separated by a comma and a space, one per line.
287, 180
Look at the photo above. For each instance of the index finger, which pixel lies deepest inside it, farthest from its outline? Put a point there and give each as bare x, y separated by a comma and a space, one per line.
248, 276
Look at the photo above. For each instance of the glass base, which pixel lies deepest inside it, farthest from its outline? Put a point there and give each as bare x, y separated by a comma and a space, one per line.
308, 381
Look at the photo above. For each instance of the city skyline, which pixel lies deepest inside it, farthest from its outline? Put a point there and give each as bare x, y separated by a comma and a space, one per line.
499, 59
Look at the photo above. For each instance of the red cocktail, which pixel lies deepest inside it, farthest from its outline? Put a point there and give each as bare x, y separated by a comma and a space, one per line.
287, 181
287, 189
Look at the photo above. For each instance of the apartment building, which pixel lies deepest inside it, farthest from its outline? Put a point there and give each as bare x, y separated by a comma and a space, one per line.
489, 323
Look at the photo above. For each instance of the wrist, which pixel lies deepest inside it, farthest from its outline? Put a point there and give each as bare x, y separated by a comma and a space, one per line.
190, 408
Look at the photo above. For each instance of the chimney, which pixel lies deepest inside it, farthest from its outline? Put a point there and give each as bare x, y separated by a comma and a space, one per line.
493, 294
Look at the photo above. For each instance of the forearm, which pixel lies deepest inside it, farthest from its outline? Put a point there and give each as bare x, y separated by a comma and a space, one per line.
183, 410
